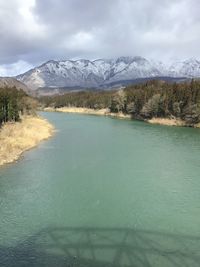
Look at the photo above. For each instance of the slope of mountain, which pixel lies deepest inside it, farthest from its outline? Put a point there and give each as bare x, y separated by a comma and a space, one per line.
103, 72
12, 82
188, 68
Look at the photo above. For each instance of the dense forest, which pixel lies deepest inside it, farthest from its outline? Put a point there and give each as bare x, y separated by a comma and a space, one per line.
14, 103
142, 101
89, 99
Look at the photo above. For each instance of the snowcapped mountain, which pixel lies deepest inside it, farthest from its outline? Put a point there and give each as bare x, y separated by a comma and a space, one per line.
103, 72
188, 68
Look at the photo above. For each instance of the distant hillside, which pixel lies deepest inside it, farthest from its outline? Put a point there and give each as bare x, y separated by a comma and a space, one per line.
67, 75
50, 91
151, 100
12, 82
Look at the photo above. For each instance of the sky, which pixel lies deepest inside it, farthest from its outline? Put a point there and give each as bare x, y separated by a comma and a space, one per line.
35, 31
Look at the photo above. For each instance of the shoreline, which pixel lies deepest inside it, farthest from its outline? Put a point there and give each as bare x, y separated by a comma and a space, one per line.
18, 137
167, 122
89, 111
105, 112
172, 122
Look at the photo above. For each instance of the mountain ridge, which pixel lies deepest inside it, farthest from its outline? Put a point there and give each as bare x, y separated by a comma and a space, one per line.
99, 73
12, 82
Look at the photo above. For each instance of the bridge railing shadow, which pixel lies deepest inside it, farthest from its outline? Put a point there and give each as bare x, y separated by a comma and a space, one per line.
95, 247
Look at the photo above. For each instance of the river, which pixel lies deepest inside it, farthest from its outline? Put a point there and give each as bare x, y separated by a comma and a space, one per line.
103, 192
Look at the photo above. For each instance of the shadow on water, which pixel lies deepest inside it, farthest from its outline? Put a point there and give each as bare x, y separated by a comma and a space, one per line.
95, 247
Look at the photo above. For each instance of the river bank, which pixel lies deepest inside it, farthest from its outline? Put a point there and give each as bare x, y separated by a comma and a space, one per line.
15, 138
167, 121
89, 111
106, 112
172, 122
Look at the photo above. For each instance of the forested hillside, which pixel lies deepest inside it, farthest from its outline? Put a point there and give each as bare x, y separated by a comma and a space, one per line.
143, 101
14, 103
88, 99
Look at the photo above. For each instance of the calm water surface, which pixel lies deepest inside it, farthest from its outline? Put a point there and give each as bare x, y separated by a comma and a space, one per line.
103, 192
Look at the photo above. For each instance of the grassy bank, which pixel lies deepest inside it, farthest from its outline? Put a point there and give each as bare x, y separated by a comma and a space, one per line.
90, 111
120, 115
168, 122
173, 122
15, 138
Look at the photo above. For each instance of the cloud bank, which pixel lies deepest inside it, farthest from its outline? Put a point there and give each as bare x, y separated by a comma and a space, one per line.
34, 31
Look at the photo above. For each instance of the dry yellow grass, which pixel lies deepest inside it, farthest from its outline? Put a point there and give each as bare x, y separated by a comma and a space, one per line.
15, 138
101, 112
120, 115
83, 110
168, 122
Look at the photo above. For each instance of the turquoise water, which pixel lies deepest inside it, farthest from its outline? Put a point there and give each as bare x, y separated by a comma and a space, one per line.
103, 192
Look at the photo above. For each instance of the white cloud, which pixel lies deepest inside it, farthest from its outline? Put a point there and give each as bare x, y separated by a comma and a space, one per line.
38, 30
14, 68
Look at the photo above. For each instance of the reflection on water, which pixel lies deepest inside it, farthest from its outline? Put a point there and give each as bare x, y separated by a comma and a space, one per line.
91, 247
136, 185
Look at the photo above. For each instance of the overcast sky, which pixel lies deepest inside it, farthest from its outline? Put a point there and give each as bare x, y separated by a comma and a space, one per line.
34, 31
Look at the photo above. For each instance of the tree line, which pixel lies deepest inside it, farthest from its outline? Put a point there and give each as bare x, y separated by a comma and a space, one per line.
14, 103
87, 99
143, 101
164, 100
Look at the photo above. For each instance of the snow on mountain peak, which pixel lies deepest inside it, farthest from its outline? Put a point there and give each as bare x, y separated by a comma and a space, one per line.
87, 73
